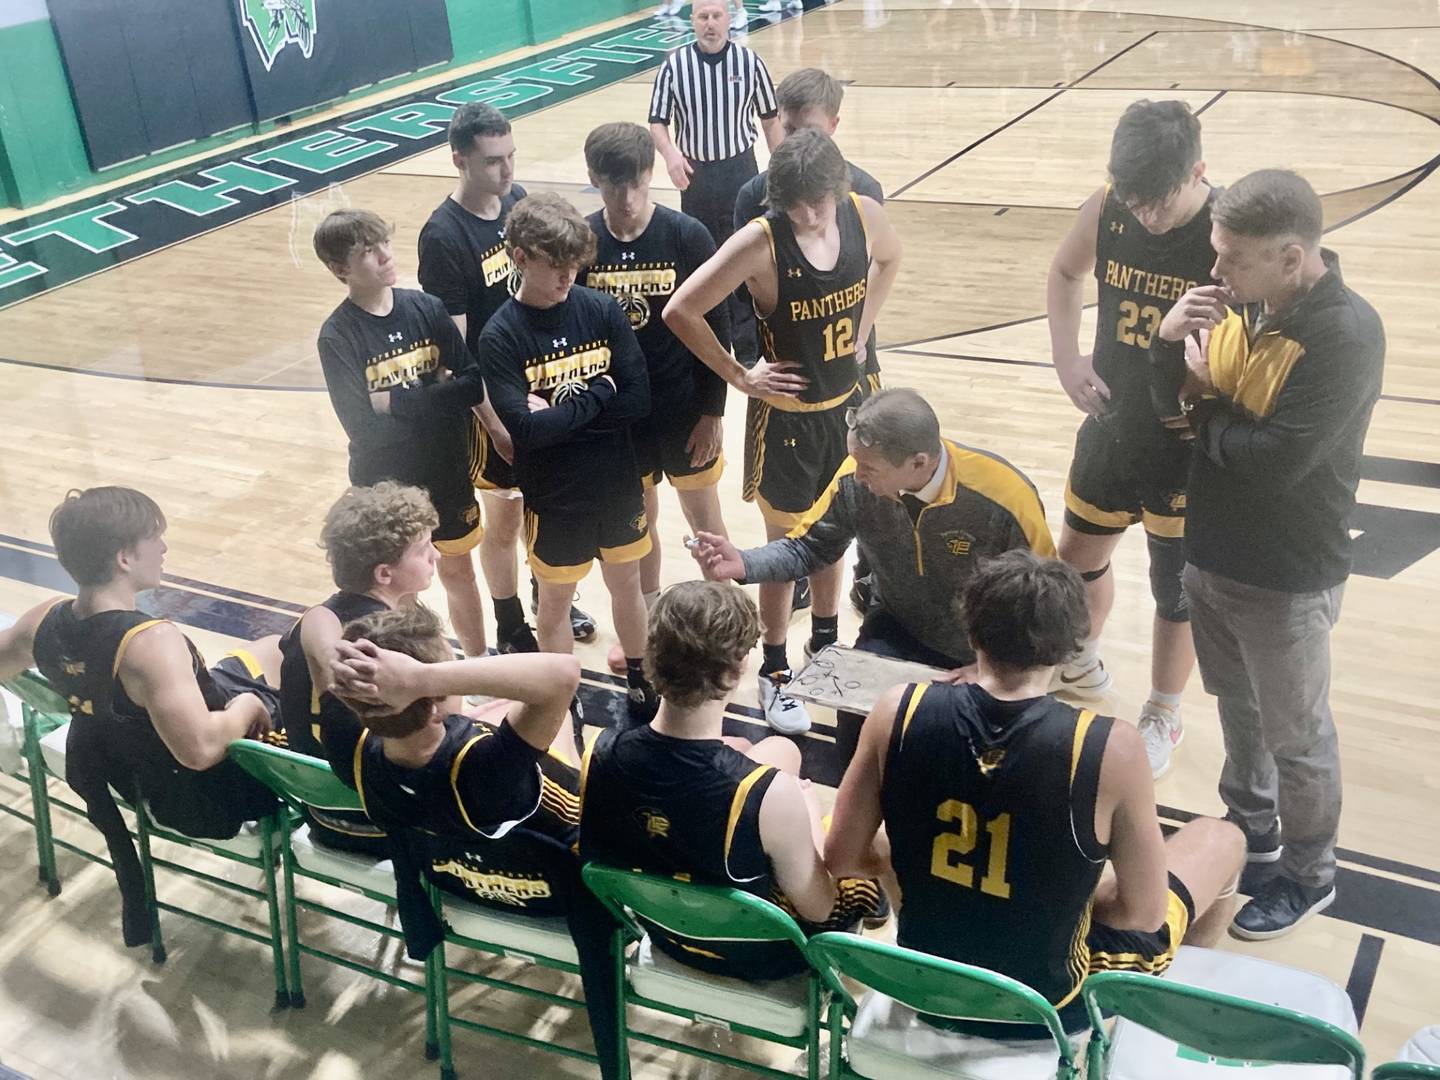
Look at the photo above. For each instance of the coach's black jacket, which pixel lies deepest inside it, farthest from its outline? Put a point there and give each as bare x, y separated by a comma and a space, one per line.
1277, 453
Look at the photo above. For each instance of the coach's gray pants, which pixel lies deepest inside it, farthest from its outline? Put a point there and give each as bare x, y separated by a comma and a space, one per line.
1265, 656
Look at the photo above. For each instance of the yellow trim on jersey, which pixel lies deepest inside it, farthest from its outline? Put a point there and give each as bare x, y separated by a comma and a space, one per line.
1002, 483
874, 380
558, 801
461, 545
252, 665
455, 774
557, 575
1251, 376
822, 505
1082, 726
864, 226
790, 404
125, 642
636, 549
774, 259
915, 697
355, 768
737, 806
1163, 525
1078, 963
1105, 519
706, 477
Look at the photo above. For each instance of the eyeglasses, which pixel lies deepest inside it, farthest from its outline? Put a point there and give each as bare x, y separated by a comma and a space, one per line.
852, 416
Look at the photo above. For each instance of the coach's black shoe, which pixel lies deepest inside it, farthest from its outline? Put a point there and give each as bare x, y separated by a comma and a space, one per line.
1265, 848
861, 594
801, 599
519, 640
1280, 906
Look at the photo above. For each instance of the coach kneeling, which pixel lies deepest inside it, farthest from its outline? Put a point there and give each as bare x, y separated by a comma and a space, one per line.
925, 510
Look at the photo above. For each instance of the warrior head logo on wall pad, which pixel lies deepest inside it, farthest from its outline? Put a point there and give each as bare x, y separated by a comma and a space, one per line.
277, 23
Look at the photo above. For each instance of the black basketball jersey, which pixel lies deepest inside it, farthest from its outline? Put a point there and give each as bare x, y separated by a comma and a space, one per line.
299, 701
642, 274
990, 810
500, 818
112, 739
1140, 276
817, 313
463, 262
682, 808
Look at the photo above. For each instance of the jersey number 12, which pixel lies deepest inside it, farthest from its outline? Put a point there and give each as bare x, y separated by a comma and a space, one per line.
839, 338
948, 856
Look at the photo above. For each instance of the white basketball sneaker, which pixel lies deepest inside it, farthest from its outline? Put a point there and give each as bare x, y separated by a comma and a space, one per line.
1089, 683
740, 20
1163, 733
668, 8
782, 712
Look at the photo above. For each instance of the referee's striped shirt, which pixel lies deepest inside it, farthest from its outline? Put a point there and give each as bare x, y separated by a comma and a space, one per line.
711, 100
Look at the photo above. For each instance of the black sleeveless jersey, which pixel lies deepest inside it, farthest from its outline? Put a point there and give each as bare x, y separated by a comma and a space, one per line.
682, 808
990, 810
817, 312
1140, 276
113, 738
490, 816
299, 701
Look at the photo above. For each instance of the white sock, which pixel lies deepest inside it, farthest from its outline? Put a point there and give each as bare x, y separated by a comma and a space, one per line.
1169, 701
650, 598
1087, 657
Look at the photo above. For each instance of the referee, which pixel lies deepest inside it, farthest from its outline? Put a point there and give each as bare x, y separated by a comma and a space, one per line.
712, 90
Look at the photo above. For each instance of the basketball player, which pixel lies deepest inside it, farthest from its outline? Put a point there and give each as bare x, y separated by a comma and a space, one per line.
819, 266
1002, 806
377, 540
403, 385
463, 261
1146, 238
643, 253
810, 98
568, 380
673, 797
146, 714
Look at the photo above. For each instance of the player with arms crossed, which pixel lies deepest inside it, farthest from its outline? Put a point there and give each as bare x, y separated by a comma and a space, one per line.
463, 262
643, 253
819, 266
1146, 238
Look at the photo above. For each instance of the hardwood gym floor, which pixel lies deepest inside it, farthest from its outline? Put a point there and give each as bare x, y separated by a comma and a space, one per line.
191, 373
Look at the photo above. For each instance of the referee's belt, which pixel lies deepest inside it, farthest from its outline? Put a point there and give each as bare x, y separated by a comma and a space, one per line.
790, 404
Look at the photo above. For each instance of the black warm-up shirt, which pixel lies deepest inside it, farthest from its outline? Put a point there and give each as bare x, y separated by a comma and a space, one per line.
464, 262
576, 452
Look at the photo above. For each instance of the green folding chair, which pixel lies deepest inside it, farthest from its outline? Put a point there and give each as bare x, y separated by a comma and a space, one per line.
1406, 1070
253, 850
785, 1011
881, 1040
303, 781
1232, 1030
544, 942
42, 710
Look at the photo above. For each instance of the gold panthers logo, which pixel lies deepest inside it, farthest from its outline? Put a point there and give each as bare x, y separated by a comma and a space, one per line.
571, 386
657, 825
637, 308
471, 516
958, 543
990, 760
1177, 501
638, 522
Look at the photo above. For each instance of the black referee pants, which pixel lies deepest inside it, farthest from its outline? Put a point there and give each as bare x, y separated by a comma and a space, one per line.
710, 198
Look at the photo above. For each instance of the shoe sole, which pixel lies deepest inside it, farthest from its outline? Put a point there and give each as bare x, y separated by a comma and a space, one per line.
1263, 858
1085, 693
1266, 935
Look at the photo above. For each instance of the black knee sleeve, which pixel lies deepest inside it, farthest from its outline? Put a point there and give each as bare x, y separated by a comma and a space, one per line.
1167, 563
1094, 575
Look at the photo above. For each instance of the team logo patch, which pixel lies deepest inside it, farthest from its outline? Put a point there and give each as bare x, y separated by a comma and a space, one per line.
1177, 501
274, 24
637, 308
989, 760
656, 824
571, 386
958, 543
638, 522
471, 516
